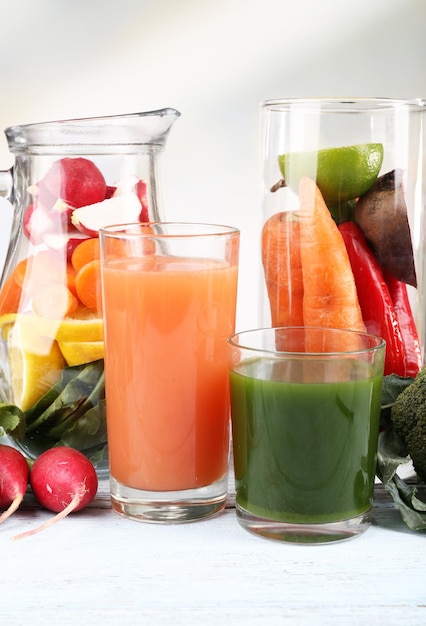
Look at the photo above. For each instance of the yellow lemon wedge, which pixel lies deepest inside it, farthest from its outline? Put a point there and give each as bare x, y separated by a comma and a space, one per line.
79, 352
6, 321
24, 330
35, 364
341, 173
82, 326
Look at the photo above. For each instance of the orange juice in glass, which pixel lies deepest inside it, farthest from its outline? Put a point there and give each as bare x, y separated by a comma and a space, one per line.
169, 303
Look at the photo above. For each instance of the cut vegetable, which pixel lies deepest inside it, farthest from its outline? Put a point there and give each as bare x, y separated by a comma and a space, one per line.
330, 295
341, 173
10, 296
79, 352
77, 181
401, 303
14, 474
54, 302
283, 268
377, 307
84, 325
35, 362
116, 210
64, 481
88, 250
88, 285
382, 216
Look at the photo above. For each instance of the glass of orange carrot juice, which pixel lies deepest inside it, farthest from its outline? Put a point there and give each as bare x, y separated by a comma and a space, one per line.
169, 303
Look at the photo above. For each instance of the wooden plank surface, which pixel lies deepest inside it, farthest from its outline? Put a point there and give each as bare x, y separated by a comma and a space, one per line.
98, 568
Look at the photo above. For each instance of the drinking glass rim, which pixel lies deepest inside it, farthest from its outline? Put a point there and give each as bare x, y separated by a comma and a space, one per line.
337, 104
379, 341
202, 229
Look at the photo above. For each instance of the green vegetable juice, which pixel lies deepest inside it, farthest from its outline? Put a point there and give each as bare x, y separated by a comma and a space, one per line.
304, 452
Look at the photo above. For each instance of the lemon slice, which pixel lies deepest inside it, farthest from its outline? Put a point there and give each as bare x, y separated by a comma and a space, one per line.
83, 325
80, 330
24, 330
342, 173
79, 352
6, 321
35, 364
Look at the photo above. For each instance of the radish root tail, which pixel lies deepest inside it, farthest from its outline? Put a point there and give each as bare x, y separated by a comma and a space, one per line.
68, 509
12, 508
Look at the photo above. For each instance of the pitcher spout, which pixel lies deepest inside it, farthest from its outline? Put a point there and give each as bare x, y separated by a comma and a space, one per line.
133, 130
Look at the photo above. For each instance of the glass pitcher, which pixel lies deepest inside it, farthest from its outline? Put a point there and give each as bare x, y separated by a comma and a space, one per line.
343, 220
70, 178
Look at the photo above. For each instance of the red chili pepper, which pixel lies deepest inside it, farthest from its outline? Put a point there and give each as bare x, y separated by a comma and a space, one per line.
399, 294
374, 298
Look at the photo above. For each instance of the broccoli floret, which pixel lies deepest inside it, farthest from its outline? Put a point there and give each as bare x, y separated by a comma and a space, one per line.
408, 417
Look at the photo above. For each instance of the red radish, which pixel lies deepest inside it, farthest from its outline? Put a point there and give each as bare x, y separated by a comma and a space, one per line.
75, 180
110, 190
14, 474
140, 190
64, 481
36, 223
74, 239
121, 209
42, 195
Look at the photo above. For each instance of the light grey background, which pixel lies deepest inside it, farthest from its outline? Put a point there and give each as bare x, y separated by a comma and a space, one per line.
215, 61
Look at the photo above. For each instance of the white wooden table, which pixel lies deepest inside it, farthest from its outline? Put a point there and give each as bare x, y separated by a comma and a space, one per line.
98, 568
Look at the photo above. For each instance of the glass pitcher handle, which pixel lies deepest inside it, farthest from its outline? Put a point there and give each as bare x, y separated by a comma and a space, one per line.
6, 183
6, 214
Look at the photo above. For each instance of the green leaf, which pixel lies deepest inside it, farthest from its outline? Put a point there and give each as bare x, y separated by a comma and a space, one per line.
90, 428
392, 386
12, 421
412, 509
391, 454
68, 374
67, 403
71, 413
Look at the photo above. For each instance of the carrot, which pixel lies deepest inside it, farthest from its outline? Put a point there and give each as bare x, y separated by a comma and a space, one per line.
20, 271
88, 285
283, 268
330, 295
86, 251
70, 278
10, 296
54, 302
117, 247
40, 270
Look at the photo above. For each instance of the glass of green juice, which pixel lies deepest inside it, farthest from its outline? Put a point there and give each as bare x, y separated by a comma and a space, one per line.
305, 405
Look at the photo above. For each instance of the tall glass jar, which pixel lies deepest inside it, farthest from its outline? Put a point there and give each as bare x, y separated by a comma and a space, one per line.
343, 220
69, 179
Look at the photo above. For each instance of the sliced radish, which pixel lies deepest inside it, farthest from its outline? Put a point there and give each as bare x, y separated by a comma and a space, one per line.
125, 185
120, 209
63, 208
138, 186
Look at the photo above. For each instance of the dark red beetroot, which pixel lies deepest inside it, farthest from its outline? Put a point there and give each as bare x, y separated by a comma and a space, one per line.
64, 481
14, 474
